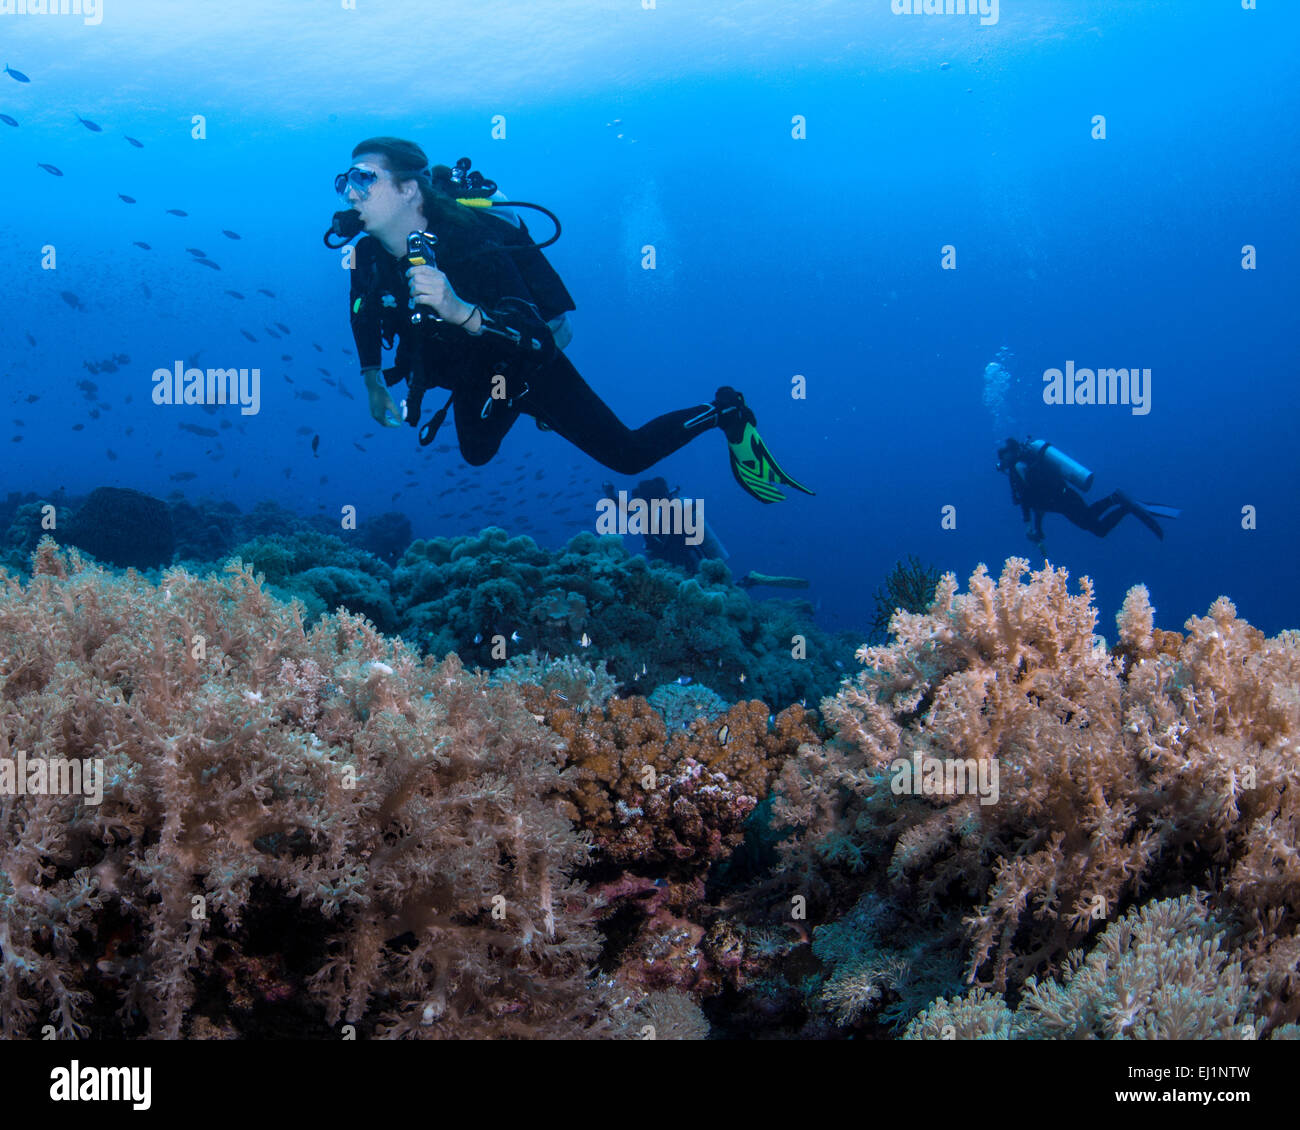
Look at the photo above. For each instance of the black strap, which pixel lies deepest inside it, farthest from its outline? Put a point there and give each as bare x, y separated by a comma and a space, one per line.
430, 430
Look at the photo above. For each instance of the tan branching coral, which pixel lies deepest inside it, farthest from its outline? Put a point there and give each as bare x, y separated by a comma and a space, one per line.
1169, 759
402, 815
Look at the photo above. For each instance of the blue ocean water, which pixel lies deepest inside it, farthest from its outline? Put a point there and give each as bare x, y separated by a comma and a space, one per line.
777, 255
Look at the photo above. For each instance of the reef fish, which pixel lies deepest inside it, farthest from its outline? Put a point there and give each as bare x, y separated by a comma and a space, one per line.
132, 140
144, 245
92, 126
128, 199
231, 234
209, 263
17, 76
7, 120
53, 170
235, 294
176, 212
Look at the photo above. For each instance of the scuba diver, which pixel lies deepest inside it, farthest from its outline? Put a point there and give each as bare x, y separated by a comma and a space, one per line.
672, 548
1043, 479
476, 309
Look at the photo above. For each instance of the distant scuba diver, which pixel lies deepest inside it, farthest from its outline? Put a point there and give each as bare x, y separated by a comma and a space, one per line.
491, 329
674, 547
1043, 479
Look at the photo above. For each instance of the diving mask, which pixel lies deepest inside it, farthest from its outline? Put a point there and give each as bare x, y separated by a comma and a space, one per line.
359, 177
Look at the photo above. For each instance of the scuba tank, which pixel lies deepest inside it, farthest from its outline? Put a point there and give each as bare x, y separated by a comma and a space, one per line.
470, 188
1073, 472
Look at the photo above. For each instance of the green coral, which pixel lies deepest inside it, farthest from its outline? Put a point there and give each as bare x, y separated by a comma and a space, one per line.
648, 621
680, 705
1162, 972
580, 684
909, 586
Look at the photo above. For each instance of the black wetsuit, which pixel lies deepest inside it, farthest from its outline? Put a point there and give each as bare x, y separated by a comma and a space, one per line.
666, 545
1036, 487
539, 382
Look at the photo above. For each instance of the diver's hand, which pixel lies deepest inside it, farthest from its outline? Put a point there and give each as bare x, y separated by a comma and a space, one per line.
382, 407
430, 287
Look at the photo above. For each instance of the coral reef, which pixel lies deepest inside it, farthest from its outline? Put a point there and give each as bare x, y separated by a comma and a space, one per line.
292, 822
123, 527
1165, 766
316, 824
672, 1016
909, 586
652, 796
565, 678
1162, 972
663, 807
650, 622
324, 573
487, 597
386, 535
680, 706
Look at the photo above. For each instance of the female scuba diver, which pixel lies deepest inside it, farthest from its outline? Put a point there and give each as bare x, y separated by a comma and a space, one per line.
476, 309
1043, 479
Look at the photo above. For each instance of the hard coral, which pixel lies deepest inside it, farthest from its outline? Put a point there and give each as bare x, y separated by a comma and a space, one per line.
397, 821
649, 796
662, 809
